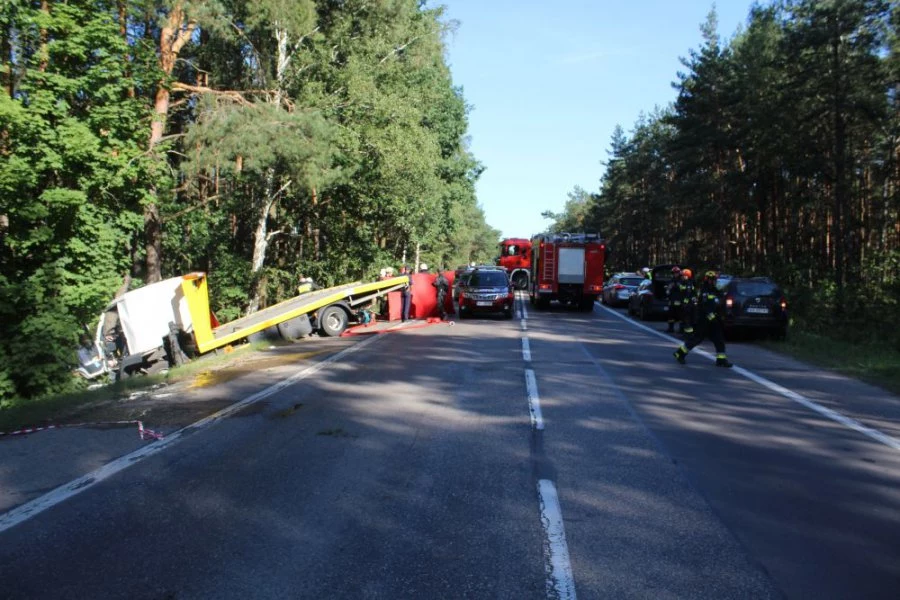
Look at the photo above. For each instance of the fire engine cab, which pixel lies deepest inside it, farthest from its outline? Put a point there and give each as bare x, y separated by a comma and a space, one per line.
567, 267
515, 257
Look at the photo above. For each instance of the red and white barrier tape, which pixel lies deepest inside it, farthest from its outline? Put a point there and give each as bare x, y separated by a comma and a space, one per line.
145, 434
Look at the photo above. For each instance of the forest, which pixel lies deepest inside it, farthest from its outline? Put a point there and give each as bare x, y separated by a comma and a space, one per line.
778, 157
265, 140
256, 140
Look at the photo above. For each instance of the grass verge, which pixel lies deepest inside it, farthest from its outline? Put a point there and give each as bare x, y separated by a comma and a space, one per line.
873, 362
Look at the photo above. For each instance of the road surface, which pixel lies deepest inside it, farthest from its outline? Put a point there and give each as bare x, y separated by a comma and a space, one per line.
560, 454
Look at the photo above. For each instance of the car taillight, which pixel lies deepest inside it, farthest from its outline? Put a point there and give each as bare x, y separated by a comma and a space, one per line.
783, 304
618, 286
729, 302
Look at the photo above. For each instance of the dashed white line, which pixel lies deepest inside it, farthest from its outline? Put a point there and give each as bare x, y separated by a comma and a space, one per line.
534, 401
837, 417
560, 581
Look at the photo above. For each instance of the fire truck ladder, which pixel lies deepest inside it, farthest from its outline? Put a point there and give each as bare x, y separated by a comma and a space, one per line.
549, 266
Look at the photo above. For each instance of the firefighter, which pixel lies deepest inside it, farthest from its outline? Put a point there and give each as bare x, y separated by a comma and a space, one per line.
442, 286
689, 302
645, 273
676, 291
406, 294
708, 322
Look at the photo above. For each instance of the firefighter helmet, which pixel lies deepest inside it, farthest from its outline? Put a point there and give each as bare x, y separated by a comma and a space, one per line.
711, 275
676, 269
687, 273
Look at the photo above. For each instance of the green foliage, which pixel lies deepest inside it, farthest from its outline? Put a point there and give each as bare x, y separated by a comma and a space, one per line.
316, 138
778, 157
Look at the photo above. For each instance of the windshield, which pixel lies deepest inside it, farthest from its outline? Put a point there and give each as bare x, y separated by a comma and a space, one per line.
488, 279
757, 288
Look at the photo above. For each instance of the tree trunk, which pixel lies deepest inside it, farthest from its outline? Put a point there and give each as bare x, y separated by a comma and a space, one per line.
261, 235
261, 242
44, 36
123, 31
840, 177
174, 35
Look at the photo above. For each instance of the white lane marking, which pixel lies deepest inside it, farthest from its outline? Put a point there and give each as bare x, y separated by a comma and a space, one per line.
524, 310
524, 325
76, 486
560, 581
526, 349
534, 402
822, 410
835, 416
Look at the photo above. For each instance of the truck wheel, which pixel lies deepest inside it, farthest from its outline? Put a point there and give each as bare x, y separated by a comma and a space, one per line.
294, 329
333, 321
543, 303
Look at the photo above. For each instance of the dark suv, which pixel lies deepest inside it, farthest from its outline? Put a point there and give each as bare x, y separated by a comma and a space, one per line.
486, 290
755, 304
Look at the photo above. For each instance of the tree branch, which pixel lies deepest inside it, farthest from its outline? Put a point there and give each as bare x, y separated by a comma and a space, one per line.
399, 49
196, 89
190, 208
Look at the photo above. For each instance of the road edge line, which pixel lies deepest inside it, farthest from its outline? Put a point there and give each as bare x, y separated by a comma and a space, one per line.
828, 413
65, 491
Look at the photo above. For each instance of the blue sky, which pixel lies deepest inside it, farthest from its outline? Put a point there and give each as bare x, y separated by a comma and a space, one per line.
549, 81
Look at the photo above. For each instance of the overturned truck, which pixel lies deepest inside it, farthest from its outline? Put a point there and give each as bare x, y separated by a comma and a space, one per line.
171, 319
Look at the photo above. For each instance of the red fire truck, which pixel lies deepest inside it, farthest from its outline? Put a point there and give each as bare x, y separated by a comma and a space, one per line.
567, 267
515, 257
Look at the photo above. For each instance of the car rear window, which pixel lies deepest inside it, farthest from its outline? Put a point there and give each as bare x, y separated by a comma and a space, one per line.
631, 280
757, 288
488, 278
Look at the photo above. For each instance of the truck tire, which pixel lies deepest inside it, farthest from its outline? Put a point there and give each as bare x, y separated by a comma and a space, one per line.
294, 329
333, 321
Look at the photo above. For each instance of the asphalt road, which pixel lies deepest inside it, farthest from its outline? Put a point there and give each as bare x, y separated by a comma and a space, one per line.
561, 454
